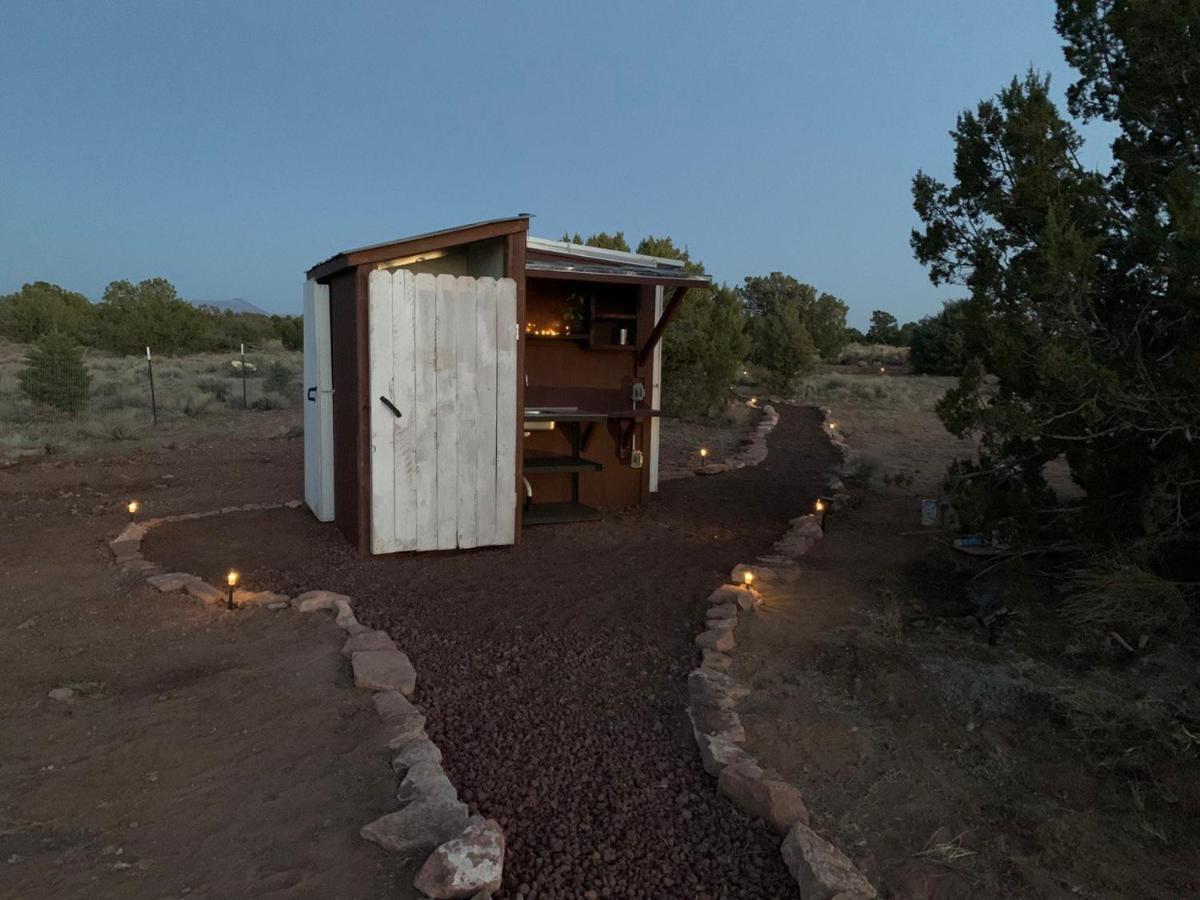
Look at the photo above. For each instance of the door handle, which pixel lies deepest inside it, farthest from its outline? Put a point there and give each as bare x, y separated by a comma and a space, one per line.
312, 395
390, 405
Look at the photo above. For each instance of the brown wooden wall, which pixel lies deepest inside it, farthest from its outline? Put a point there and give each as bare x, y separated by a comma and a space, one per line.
344, 353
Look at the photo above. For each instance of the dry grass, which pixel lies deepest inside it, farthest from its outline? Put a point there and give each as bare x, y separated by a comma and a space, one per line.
873, 355
193, 393
1123, 596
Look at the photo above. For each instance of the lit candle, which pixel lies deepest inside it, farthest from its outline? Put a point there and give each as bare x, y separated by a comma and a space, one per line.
231, 579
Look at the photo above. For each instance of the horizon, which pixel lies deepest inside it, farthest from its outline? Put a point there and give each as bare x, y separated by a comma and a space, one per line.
228, 149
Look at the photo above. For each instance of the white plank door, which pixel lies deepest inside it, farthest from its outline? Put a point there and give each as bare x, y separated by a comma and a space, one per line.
318, 403
443, 357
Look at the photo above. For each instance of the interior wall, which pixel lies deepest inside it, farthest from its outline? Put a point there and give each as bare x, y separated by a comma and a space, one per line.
344, 351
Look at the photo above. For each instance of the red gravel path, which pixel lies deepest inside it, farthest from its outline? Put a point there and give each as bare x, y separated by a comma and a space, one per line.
554, 673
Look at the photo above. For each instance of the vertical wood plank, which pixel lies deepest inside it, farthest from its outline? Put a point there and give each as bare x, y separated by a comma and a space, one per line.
425, 414
468, 435
446, 345
507, 333
404, 346
485, 393
383, 459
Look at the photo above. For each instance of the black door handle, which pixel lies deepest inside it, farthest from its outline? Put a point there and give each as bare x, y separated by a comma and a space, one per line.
312, 395
390, 405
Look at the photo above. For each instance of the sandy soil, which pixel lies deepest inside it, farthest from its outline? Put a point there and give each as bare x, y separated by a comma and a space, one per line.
212, 755
948, 768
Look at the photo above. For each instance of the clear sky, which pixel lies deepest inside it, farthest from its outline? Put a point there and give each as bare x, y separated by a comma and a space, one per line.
229, 146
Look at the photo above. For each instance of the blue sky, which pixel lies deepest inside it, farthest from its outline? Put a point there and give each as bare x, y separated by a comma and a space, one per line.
228, 146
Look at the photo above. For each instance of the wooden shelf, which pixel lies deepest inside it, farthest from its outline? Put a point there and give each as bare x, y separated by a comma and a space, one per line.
557, 337
559, 513
614, 346
615, 316
538, 463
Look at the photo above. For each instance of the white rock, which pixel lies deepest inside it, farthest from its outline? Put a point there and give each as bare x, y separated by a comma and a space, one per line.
717, 662
821, 870
312, 601
417, 828
717, 752
205, 592
62, 694
425, 781
723, 611
716, 640
393, 705
418, 751
172, 581
469, 863
384, 670
367, 640
762, 794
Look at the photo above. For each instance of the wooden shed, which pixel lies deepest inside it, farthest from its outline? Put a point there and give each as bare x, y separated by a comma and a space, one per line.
462, 384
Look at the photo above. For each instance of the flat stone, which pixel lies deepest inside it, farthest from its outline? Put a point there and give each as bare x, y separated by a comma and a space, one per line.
171, 581
720, 624
418, 751
204, 591
367, 640
709, 688
62, 694
405, 730
294, 504
716, 640
717, 752
716, 720
259, 598
426, 781
712, 469
139, 566
384, 670
278, 606
808, 525
821, 870
121, 548
418, 828
250, 507
393, 705
468, 863
225, 510
793, 545
312, 601
761, 573
345, 615
717, 662
764, 795
723, 611
131, 532
737, 594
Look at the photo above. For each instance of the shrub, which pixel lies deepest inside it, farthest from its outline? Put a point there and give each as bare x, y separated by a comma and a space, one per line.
279, 378
939, 342
123, 425
218, 388
781, 345
54, 374
703, 351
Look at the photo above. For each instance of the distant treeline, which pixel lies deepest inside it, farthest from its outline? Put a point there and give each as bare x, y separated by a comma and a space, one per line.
131, 317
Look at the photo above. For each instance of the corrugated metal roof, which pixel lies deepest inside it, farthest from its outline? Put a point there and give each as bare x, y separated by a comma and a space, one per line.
641, 273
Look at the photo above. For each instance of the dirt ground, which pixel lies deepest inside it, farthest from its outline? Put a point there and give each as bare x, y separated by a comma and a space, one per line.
221, 755
554, 673
948, 768
210, 754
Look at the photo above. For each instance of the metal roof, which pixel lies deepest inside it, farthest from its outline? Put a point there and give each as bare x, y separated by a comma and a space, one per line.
611, 272
601, 254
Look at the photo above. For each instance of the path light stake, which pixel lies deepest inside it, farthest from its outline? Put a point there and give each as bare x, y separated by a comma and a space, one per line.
704, 453
133, 506
824, 509
748, 578
243, 381
231, 579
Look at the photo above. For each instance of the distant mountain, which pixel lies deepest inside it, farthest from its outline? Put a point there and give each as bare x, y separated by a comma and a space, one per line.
235, 305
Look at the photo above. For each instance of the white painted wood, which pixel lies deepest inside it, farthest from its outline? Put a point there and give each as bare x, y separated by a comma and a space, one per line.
467, 386
425, 420
446, 341
318, 403
404, 380
507, 334
381, 383
485, 425
656, 392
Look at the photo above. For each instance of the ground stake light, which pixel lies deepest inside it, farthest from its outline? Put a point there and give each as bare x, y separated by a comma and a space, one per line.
133, 506
748, 578
704, 453
230, 580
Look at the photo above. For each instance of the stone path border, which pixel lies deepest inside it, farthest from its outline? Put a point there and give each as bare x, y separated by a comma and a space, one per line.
820, 869
463, 856
750, 455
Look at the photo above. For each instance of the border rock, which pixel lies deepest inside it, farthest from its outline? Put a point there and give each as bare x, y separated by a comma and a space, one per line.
467, 864
822, 871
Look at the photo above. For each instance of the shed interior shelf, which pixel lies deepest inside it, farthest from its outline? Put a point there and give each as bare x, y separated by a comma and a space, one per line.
559, 513
547, 462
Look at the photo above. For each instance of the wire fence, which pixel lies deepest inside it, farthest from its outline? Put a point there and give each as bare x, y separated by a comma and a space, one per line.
67, 400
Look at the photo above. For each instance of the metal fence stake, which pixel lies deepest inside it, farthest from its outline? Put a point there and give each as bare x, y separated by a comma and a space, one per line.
153, 400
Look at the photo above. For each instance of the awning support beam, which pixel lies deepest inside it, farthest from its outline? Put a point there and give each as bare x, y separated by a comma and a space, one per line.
660, 326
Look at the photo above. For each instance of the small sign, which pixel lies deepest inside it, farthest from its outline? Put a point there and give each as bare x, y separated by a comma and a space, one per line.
929, 513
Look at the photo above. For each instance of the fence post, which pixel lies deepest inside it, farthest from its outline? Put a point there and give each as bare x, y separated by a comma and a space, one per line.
153, 399
244, 406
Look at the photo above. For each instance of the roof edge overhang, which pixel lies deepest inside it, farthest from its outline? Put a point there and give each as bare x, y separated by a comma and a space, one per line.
420, 243
614, 274
600, 254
